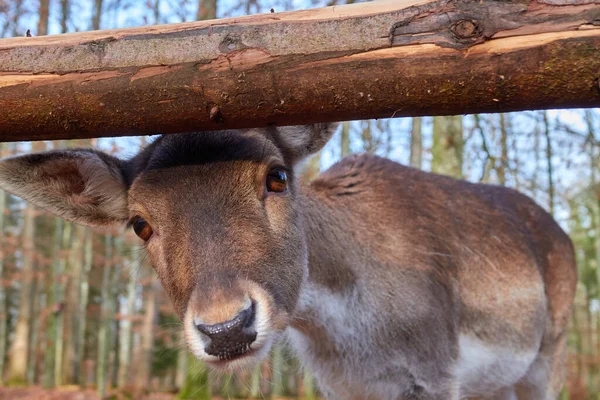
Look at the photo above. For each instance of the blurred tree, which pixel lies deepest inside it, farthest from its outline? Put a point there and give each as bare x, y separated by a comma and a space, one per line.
3, 278
65, 9
448, 145
416, 143
19, 351
207, 9
44, 14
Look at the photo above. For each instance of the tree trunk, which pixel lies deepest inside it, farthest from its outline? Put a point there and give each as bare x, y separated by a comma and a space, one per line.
345, 139
196, 385
34, 326
503, 165
44, 13
82, 310
73, 301
3, 279
19, 351
182, 363
55, 307
59, 303
277, 386
308, 383
416, 143
144, 369
255, 382
97, 15
104, 330
114, 343
126, 324
366, 60
448, 144
156, 10
312, 168
64, 15
207, 9
549, 155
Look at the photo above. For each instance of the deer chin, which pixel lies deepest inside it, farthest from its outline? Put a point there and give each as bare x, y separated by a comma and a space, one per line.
269, 325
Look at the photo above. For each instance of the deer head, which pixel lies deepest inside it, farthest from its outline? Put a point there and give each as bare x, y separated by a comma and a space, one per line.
220, 216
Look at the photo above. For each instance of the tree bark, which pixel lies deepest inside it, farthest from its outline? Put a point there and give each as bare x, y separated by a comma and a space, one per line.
368, 60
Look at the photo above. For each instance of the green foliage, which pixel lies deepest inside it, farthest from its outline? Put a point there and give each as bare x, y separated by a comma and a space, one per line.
196, 386
164, 354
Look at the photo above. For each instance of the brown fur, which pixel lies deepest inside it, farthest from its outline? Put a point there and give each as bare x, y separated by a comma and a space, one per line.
388, 280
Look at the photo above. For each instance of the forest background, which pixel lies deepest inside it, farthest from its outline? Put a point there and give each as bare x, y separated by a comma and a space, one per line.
81, 311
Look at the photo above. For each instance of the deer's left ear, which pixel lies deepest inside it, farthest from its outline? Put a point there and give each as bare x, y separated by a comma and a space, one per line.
80, 185
301, 141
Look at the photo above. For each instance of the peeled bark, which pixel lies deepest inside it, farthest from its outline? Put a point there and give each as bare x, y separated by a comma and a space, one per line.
380, 59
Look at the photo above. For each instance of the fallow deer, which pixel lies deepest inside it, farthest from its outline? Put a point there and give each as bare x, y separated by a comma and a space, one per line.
390, 282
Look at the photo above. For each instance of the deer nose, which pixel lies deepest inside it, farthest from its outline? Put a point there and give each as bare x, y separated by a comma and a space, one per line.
232, 338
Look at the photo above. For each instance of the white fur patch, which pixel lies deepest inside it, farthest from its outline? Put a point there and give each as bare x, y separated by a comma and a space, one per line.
484, 368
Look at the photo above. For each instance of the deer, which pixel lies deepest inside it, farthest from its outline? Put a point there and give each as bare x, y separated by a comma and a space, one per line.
388, 281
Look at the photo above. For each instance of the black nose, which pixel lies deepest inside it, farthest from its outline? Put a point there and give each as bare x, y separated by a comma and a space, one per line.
232, 338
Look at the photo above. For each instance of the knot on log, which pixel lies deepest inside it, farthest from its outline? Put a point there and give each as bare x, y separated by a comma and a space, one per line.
231, 43
216, 115
466, 29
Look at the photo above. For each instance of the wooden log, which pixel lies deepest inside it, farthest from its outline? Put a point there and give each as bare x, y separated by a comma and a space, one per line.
382, 59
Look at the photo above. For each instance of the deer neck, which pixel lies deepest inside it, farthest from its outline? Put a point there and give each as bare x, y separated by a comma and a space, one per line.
333, 263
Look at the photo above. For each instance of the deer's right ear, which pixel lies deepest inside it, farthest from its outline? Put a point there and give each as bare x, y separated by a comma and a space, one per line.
80, 185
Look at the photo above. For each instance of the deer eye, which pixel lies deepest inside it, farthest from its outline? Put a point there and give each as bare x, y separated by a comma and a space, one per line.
141, 228
277, 181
